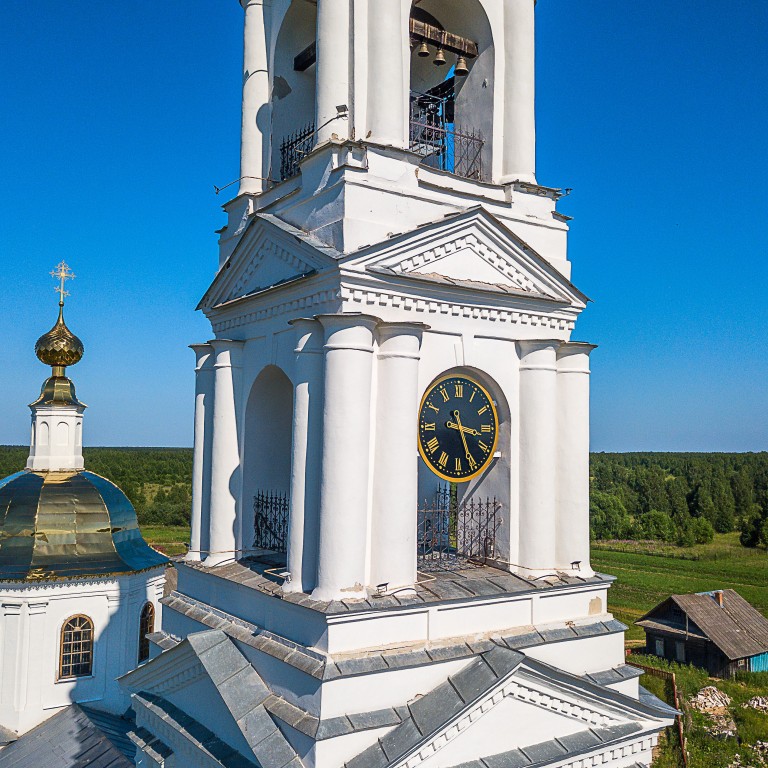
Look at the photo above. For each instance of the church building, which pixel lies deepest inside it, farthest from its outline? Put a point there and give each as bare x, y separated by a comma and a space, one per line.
80, 589
389, 559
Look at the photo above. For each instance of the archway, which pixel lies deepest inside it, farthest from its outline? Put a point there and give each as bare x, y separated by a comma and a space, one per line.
469, 519
267, 460
452, 113
293, 89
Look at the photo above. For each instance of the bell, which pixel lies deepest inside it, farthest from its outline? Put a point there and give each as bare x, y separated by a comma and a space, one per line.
439, 58
423, 49
461, 69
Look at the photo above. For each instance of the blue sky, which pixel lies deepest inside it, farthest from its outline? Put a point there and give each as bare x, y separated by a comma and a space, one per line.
116, 121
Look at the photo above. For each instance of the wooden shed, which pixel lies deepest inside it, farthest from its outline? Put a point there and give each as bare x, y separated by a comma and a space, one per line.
719, 631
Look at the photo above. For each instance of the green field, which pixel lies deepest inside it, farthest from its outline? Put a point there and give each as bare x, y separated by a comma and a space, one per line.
169, 539
648, 572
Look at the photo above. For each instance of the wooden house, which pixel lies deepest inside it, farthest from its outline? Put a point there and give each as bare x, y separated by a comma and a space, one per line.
719, 631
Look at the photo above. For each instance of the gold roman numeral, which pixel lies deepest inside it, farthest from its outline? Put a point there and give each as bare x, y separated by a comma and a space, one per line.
483, 446
443, 460
485, 428
444, 392
472, 462
474, 392
482, 410
432, 445
431, 427
459, 390
433, 407
457, 467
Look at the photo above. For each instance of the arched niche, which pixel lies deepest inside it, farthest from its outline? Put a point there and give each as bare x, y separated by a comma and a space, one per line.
267, 444
494, 482
293, 89
62, 433
473, 95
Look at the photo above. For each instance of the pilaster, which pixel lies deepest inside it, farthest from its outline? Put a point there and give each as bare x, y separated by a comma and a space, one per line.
573, 458
256, 108
538, 456
519, 137
226, 481
395, 483
201, 455
344, 497
304, 519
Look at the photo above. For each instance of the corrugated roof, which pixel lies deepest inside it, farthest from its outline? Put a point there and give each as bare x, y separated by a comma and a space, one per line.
69, 739
736, 628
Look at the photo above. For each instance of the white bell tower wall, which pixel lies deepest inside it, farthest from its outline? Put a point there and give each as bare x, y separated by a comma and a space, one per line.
57, 438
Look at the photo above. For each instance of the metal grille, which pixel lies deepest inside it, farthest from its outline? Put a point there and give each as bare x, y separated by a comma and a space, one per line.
294, 149
441, 143
453, 534
270, 521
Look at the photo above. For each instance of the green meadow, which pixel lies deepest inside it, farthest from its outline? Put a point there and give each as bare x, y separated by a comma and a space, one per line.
648, 572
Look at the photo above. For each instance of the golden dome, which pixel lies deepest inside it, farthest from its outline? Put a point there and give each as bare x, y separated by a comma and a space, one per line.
59, 347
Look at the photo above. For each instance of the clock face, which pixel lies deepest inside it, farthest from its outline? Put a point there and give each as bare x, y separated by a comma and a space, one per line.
458, 428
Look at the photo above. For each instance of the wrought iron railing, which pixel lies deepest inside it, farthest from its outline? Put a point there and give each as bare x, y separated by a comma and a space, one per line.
454, 534
294, 149
270, 521
441, 143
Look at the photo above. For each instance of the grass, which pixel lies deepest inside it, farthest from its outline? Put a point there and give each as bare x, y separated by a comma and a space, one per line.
168, 539
648, 572
704, 750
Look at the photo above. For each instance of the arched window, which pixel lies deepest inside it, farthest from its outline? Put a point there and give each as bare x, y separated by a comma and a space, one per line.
146, 627
76, 657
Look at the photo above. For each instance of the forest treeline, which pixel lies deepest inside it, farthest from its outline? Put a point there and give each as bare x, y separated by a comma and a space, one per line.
158, 481
682, 498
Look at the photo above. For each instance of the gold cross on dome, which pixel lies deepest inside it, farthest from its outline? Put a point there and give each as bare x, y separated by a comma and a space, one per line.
62, 273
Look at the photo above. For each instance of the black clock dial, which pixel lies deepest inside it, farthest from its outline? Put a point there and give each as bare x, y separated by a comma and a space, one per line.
458, 428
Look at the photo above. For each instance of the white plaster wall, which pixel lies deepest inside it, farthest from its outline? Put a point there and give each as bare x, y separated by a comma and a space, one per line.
584, 655
30, 631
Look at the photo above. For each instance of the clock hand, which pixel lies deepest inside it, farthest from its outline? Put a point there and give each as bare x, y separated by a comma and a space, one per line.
457, 416
466, 430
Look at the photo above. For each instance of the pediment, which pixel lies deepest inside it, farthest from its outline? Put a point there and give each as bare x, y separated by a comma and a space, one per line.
472, 250
269, 254
524, 713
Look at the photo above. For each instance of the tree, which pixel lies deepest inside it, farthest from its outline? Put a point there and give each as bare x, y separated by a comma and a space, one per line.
608, 519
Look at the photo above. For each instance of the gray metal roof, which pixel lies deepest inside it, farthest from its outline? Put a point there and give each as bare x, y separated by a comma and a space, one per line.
323, 667
73, 738
478, 582
736, 628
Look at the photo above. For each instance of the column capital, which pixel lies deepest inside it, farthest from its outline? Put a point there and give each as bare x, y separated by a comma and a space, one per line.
400, 339
573, 357
227, 351
352, 331
309, 335
538, 353
203, 355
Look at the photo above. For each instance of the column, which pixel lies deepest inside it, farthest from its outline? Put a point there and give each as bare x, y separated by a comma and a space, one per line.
306, 450
519, 157
254, 139
573, 457
334, 45
395, 484
538, 458
387, 43
341, 568
204, 377
225, 454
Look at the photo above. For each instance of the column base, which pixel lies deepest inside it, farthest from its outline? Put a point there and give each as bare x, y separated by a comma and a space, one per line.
327, 594
221, 559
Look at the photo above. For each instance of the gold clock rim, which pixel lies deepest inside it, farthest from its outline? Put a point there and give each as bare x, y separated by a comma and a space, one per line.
491, 453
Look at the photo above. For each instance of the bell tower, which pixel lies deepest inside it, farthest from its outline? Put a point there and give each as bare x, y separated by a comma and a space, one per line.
351, 109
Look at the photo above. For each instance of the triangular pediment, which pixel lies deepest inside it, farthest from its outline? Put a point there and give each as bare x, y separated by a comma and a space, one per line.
471, 250
501, 704
269, 254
